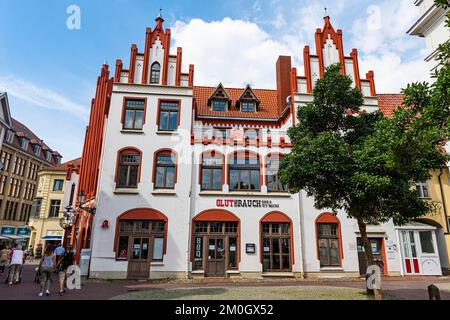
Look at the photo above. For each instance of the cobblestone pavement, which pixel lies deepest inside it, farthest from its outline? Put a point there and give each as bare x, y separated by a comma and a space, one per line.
401, 288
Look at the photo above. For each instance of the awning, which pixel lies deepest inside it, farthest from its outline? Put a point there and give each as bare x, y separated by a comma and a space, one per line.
3, 238
13, 237
52, 238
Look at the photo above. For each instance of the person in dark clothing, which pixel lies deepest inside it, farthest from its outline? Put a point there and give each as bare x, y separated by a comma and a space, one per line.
67, 260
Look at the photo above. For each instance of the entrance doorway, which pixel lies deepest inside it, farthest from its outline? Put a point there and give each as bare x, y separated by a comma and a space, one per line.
139, 263
216, 247
419, 251
140, 242
276, 244
377, 251
216, 257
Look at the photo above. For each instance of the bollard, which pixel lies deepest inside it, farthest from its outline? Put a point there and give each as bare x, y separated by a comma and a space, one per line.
434, 293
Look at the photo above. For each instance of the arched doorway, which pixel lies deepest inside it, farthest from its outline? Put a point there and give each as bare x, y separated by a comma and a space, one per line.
141, 238
277, 242
215, 242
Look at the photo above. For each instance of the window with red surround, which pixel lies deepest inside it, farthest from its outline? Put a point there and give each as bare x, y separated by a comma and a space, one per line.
133, 113
211, 176
128, 168
165, 169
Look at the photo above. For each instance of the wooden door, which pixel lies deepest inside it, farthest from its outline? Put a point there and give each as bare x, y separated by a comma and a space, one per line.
216, 257
377, 246
139, 258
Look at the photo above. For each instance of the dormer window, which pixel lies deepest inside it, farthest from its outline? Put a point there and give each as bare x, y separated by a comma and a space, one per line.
248, 106
37, 150
10, 136
248, 102
219, 106
219, 101
24, 143
155, 73
48, 156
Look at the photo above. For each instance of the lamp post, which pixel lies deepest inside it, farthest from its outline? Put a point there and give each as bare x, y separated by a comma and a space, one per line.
82, 201
66, 222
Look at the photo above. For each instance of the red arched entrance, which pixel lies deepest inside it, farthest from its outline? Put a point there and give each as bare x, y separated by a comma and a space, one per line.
277, 242
216, 242
141, 237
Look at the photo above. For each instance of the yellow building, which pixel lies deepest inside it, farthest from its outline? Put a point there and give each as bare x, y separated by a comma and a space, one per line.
437, 191
55, 191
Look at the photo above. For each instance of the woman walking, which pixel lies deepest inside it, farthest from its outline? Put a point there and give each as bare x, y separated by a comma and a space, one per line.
47, 267
4, 258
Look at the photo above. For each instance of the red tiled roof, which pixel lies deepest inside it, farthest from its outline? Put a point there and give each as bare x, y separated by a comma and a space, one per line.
268, 108
65, 166
23, 131
387, 103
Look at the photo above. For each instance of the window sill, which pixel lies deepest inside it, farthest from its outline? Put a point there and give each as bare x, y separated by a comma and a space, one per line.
250, 194
198, 272
126, 191
157, 264
125, 131
164, 192
168, 133
332, 269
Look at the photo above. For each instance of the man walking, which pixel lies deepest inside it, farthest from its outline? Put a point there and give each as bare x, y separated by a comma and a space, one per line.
16, 263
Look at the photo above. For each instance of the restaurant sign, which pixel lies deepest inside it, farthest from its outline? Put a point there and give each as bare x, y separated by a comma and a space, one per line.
8, 231
233, 203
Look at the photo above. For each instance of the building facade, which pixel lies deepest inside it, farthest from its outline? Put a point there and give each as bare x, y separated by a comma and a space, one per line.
23, 154
5, 118
56, 190
184, 179
431, 26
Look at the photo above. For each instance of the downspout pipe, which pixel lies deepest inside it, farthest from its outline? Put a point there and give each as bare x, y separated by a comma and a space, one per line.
444, 206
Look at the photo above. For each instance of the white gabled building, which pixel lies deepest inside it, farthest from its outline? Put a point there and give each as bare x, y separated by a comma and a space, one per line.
185, 180
431, 26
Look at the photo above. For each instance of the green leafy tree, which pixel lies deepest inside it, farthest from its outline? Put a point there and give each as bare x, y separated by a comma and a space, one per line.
361, 162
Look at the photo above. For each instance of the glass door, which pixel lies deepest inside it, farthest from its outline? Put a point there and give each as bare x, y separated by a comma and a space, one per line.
410, 258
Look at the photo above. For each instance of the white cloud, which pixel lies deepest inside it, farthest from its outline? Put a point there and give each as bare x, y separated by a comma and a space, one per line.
384, 46
41, 97
233, 52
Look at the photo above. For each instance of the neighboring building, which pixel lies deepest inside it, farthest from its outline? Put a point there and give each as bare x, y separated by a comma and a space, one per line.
431, 26
55, 191
437, 191
23, 155
184, 179
5, 119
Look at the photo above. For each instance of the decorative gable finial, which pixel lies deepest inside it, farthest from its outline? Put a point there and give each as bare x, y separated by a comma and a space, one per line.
326, 13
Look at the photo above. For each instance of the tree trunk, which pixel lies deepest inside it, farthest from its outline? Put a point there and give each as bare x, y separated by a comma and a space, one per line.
365, 241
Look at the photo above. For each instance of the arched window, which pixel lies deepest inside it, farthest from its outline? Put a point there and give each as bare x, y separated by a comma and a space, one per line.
165, 171
244, 172
128, 168
155, 73
329, 240
211, 177
273, 179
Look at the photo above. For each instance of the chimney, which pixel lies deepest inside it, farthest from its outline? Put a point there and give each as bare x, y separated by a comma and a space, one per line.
283, 81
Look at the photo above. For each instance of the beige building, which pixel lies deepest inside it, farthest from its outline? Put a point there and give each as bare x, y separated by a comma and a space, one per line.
56, 190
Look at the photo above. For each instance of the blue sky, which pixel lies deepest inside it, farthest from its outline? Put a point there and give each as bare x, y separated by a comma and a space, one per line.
50, 71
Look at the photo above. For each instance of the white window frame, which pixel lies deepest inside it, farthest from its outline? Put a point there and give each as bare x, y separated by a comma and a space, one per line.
420, 187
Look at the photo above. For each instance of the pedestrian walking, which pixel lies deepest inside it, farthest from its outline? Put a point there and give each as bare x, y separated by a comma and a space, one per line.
30, 254
4, 258
59, 251
47, 267
66, 261
16, 263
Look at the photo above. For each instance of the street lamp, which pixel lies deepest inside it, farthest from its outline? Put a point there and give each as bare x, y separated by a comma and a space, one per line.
82, 202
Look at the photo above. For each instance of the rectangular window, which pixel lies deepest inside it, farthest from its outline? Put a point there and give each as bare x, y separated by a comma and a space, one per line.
426, 242
54, 208
122, 249
248, 106
24, 143
2, 184
58, 185
10, 136
212, 173
251, 134
244, 175
276, 248
168, 116
128, 170
219, 106
134, 114
165, 172
36, 207
158, 249
220, 134
422, 190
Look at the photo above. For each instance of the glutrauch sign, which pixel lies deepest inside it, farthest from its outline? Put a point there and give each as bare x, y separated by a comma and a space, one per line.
250, 203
